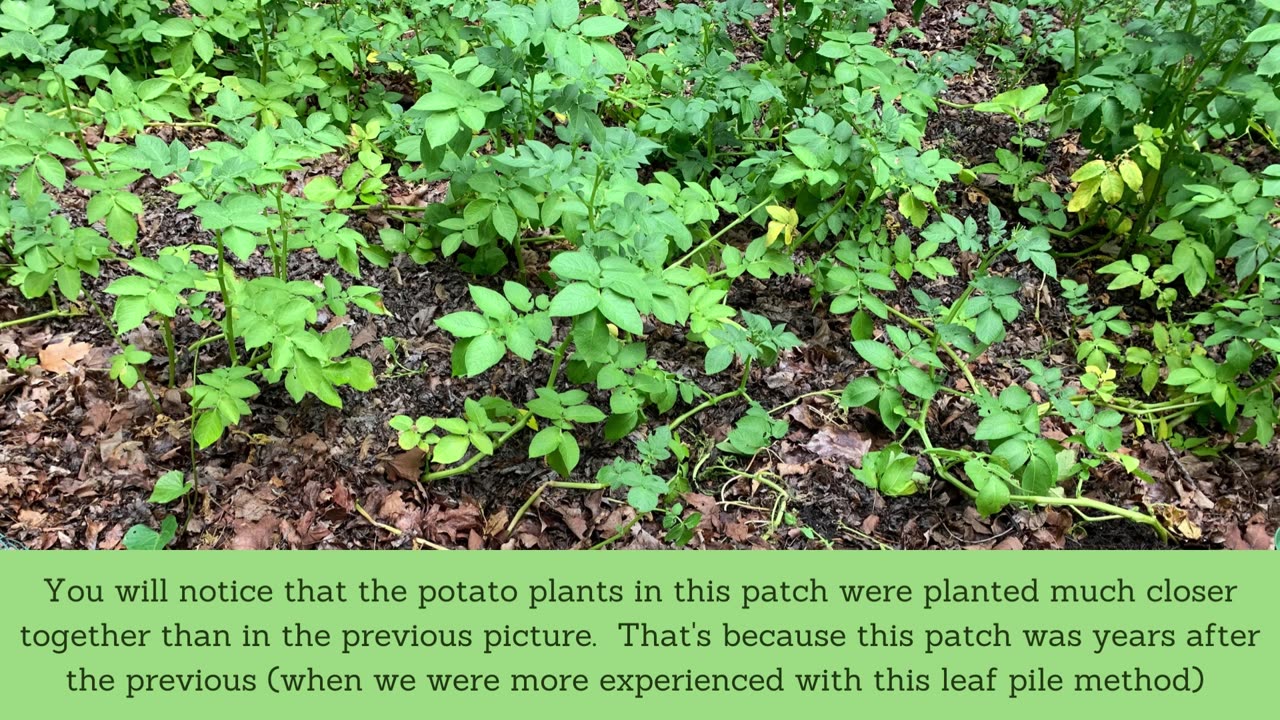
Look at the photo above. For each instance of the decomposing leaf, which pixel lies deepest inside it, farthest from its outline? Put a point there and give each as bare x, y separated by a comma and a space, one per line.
60, 357
841, 445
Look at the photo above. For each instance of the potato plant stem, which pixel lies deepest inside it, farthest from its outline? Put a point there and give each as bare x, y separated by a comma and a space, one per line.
626, 527
742, 218
556, 360
35, 318
228, 309
142, 380
84, 145
740, 391
1073, 502
542, 488
942, 345
475, 457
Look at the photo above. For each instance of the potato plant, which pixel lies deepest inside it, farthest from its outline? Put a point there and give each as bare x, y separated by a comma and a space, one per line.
612, 177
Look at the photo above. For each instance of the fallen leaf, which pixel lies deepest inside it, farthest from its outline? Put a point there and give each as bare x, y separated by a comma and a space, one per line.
392, 506
785, 469
406, 465
496, 523
31, 519
1177, 521
576, 523
448, 524
1255, 533
1232, 540
844, 446
60, 357
255, 536
342, 496
120, 454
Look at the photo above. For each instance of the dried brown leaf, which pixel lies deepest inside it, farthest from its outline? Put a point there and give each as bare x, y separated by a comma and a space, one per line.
839, 445
60, 357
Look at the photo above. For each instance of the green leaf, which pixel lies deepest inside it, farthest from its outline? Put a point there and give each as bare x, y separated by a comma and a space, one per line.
718, 358
504, 221
15, 155
916, 381
993, 497
490, 302
545, 442
876, 353
569, 453
860, 392
583, 414
575, 299
576, 265
450, 449
621, 312
130, 312
52, 170
998, 426
1091, 169
482, 353
440, 128
463, 324
602, 26
1266, 33
564, 13
169, 487
1183, 376
141, 537
322, 189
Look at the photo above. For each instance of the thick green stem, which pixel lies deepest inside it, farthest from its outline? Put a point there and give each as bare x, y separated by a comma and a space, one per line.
741, 219
626, 527
155, 404
511, 527
941, 344
556, 361
265, 59
169, 350
35, 318
227, 304
740, 391
283, 272
475, 457
1075, 502
591, 204
83, 144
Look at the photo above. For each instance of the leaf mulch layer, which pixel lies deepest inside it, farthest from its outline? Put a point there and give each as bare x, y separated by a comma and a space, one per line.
79, 453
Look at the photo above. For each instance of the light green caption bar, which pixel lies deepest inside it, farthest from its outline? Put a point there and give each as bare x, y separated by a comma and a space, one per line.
195, 635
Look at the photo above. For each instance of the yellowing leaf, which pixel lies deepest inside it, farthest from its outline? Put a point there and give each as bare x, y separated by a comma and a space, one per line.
1083, 195
1112, 187
784, 222
1090, 170
372, 57
1131, 174
784, 215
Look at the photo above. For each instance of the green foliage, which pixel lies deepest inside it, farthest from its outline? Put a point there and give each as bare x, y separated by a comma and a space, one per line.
618, 203
169, 487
